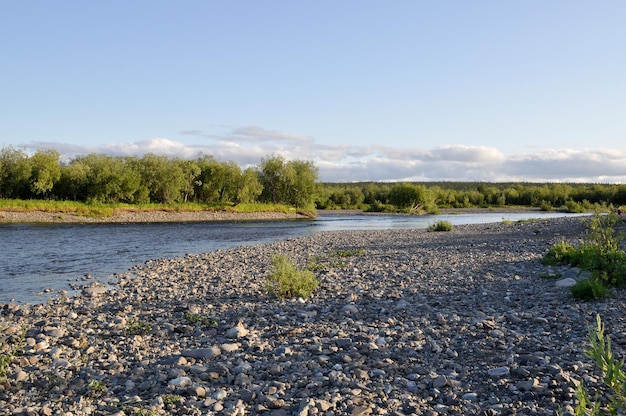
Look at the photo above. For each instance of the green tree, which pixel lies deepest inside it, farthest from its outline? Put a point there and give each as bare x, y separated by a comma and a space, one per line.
73, 181
163, 177
191, 172
112, 179
15, 173
291, 183
249, 188
45, 171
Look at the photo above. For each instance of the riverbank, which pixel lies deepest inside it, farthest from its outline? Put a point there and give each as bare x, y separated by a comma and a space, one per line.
404, 322
152, 216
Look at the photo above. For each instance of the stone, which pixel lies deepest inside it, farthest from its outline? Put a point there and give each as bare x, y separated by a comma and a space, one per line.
566, 282
202, 353
180, 382
94, 290
440, 382
499, 371
238, 331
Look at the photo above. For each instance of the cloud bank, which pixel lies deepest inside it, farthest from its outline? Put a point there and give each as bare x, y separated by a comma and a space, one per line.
246, 146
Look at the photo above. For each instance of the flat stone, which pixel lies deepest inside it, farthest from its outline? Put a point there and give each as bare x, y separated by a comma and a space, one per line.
202, 353
499, 371
180, 382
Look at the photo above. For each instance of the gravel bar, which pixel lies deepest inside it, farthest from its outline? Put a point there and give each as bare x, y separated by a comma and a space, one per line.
405, 322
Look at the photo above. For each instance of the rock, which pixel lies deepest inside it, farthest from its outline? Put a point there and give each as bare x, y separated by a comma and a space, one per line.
238, 331
566, 282
180, 382
472, 397
440, 382
499, 371
229, 347
207, 353
94, 290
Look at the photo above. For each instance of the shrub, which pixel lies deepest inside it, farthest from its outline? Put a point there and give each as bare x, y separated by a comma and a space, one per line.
441, 225
589, 289
546, 206
599, 253
286, 280
613, 375
560, 253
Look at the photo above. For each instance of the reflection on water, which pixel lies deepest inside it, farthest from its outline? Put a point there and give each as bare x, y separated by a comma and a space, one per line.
36, 257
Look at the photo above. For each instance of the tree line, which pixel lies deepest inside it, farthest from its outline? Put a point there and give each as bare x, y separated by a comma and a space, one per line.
98, 178
431, 196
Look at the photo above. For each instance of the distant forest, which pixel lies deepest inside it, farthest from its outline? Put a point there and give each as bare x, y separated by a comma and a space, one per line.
98, 178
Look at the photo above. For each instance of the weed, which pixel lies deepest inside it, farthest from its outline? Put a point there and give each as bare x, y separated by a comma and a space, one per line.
590, 289
349, 253
135, 327
7, 353
286, 280
599, 253
550, 275
201, 320
145, 412
171, 398
441, 225
97, 388
613, 375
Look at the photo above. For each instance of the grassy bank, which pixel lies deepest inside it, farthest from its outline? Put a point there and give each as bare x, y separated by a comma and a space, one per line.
109, 210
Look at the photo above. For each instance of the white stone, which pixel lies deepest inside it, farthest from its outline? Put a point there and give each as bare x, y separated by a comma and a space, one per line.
180, 382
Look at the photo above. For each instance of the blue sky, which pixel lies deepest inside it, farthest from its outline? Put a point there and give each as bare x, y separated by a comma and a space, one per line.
368, 90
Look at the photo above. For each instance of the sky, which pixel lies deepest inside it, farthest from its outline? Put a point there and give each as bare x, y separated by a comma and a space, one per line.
398, 90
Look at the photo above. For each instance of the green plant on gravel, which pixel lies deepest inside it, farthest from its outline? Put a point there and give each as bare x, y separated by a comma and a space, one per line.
349, 253
145, 412
613, 376
550, 276
8, 353
171, 398
441, 225
285, 280
590, 289
135, 327
600, 253
97, 388
201, 320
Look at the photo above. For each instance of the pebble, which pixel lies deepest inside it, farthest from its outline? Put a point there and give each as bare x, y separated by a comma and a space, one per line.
419, 323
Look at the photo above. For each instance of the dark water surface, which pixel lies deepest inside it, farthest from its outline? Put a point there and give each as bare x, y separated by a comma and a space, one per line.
35, 257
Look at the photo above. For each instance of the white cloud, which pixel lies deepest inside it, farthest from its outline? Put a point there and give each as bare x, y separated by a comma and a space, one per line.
343, 163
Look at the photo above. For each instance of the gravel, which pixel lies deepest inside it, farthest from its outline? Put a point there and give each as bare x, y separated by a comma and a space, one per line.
403, 322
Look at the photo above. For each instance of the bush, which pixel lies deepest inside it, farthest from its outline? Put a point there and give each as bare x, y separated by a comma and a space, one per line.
599, 253
441, 226
590, 289
613, 375
287, 281
560, 253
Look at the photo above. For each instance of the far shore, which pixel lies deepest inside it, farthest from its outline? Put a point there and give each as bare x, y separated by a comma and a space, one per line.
153, 216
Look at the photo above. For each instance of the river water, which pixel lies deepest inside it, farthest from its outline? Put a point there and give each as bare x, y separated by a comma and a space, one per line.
36, 257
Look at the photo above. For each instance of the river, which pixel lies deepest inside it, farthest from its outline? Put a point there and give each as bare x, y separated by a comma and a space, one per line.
38, 258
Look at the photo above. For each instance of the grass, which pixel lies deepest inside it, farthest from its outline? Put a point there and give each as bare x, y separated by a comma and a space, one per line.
97, 388
612, 375
8, 353
135, 327
101, 210
171, 398
202, 320
441, 225
285, 280
600, 253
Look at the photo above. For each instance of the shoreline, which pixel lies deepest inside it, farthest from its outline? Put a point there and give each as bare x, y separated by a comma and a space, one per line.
129, 216
408, 322
43, 217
